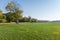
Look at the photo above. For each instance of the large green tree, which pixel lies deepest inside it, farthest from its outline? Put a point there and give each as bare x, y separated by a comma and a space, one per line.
12, 9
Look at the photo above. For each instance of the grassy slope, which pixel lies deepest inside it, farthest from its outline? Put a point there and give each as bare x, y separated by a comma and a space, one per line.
30, 31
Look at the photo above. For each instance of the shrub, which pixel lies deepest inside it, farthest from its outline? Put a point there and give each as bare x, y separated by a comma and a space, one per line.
3, 21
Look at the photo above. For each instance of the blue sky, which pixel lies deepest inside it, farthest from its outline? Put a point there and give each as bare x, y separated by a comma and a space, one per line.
40, 9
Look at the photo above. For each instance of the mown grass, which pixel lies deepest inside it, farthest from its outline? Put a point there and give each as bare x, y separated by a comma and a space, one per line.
30, 31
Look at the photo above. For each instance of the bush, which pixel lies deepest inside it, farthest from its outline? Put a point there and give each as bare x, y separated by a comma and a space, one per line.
3, 21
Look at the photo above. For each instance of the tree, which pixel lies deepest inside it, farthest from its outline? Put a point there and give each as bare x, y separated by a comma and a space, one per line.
29, 18
11, 7
18, 13
2, 17
1, 14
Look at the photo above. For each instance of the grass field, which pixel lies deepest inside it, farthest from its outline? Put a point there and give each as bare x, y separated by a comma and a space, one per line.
30, 31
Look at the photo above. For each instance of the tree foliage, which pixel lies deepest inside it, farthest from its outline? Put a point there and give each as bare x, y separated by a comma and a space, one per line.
10, 7
1, 14
15, 13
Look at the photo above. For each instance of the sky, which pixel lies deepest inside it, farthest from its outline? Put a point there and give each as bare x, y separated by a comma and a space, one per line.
40, 9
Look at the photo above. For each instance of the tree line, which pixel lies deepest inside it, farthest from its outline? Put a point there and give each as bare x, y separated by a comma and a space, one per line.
14, 14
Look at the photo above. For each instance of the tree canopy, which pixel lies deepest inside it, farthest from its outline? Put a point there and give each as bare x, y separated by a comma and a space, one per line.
15, 13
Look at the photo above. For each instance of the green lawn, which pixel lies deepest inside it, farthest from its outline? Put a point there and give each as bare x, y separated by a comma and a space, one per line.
30, 31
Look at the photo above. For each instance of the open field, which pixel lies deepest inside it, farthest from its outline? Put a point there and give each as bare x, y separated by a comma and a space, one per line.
30, 31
